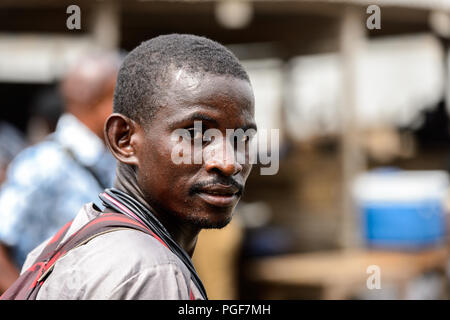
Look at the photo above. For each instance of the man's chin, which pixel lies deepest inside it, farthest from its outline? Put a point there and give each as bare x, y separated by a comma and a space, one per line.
210, 223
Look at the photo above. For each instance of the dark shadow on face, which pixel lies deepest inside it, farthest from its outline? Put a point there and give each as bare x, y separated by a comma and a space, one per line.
204, 194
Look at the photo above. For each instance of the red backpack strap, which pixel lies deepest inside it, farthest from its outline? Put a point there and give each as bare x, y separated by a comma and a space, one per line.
28, 284
20, 288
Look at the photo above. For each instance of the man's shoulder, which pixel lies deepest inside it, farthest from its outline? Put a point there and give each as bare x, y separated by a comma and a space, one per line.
132, 248
120, 263
112, 261
137, 246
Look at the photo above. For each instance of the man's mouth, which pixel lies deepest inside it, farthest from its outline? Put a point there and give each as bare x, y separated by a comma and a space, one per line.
220, 195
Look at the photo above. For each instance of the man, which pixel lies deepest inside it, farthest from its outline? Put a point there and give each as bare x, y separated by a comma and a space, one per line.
48, 183
12, 142
165, 84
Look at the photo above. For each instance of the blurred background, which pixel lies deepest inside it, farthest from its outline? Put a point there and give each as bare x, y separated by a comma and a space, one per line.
358, 208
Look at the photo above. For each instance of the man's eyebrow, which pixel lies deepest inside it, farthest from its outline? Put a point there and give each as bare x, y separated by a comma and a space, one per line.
196, 116
199, 116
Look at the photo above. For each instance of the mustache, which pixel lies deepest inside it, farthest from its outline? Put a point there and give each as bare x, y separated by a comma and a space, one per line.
197, 187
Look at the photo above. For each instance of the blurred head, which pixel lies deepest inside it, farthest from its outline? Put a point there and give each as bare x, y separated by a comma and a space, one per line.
45, 112
166, 84
88, 89
12, 142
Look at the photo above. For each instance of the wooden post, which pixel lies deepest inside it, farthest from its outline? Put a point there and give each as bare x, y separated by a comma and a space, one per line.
105, 24
352, 38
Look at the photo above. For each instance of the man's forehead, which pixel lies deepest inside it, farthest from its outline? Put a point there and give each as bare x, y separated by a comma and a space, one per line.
223, 100
204, 86
184, 79
215, 117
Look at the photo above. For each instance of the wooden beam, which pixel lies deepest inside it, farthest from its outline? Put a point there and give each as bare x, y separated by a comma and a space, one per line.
352, 38
105, 24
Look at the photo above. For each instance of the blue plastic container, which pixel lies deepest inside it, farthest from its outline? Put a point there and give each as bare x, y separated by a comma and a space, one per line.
402, 209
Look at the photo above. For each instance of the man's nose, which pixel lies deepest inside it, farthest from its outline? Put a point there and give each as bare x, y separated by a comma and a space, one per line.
224, 161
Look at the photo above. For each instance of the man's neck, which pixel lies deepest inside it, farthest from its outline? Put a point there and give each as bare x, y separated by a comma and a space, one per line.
185, 235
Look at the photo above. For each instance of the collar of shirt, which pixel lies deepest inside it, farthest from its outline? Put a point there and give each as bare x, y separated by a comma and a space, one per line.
73, 134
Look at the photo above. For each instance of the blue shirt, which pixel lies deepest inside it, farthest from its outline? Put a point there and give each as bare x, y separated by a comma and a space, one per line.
47, 184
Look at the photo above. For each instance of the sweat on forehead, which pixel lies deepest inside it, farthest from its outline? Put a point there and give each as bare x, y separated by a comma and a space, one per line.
144, 75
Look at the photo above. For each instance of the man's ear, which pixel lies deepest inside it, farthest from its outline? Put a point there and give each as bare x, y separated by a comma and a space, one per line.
120, 138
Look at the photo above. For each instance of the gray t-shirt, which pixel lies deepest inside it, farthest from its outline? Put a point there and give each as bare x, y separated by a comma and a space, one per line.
124, 264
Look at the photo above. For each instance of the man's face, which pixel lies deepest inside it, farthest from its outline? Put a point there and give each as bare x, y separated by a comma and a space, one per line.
202, 194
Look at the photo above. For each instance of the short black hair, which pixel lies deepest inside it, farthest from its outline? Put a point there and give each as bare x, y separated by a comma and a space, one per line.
143, 75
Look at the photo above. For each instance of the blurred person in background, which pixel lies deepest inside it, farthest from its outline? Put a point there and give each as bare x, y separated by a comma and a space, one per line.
47, 183
46, 109
12, 142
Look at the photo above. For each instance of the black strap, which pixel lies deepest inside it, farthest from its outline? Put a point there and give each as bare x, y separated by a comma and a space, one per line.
150, 221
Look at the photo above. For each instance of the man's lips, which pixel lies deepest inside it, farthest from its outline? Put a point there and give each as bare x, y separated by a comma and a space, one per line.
219, 195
